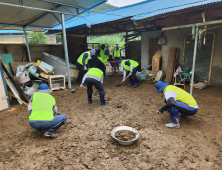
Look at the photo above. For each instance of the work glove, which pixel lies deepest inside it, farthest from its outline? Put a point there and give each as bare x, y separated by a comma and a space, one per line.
97, 91
130, 73
85, 68
160, 110
81, 85
55, 113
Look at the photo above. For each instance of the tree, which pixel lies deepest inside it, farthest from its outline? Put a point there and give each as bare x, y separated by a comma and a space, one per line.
58, 39
37, 38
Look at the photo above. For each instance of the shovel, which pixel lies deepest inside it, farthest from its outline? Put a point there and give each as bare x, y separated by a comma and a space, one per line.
122, 81
94, 94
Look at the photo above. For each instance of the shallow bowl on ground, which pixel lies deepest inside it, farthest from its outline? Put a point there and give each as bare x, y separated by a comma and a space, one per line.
125, 128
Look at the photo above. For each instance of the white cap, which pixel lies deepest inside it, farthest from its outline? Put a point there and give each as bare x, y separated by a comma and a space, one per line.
93, 51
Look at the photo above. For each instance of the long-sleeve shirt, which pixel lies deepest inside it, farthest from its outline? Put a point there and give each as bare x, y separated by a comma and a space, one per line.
131, 69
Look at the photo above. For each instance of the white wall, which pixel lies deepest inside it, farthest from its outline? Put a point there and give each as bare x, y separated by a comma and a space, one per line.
145, 46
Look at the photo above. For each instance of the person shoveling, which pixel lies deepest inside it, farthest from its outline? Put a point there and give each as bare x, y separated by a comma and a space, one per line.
41, 107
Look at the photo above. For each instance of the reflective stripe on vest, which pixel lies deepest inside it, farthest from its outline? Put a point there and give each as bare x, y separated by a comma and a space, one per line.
116, 53
96, 72
132, 62
182, 95
81, 57
42, 105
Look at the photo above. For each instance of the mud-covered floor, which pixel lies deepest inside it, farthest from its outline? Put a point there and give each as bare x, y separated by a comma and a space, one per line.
84, 142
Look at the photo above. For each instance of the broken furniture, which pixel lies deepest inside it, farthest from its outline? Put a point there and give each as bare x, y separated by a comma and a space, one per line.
57, 82
156, 60
180, 82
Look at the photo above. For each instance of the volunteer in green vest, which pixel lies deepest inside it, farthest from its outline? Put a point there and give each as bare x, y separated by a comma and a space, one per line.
94, 77
41, 107
117, 55
83, 60
131, 67
177, 100
102, 59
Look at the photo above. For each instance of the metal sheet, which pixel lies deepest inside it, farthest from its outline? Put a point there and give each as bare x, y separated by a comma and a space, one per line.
23, 17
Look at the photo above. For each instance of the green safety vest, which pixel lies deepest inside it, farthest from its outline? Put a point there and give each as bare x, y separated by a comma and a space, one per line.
104, 59
96, 72
102, 52
182, 95
132, 62
116, 52
42, 105
81, 57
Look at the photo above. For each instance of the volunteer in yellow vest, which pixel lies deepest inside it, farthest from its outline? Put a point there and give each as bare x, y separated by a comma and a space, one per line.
102, 59
117, 53
177, 100
131, 67
94, 77
41, 107
82, 61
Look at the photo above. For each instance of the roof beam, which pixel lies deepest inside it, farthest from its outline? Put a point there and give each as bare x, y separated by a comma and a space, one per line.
43, 15
57, 18
63, 4
39, 9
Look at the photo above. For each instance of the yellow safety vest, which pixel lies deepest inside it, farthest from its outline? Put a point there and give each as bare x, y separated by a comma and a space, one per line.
132, 62
182, 95
116, 52
96, 72
81, 57
42, 105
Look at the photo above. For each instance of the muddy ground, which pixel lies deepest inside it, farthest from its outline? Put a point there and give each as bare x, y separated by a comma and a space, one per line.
84, 142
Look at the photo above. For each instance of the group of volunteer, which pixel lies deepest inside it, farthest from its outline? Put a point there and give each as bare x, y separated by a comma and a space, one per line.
43, 110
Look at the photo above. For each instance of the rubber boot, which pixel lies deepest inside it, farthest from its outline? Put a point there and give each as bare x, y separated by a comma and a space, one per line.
49, 132
136, 82
175, 119
131, 81
103, 102
89, 98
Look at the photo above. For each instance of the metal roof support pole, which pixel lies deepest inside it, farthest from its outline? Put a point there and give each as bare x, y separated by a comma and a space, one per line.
27, 44
66, 50
126, 46
194, 60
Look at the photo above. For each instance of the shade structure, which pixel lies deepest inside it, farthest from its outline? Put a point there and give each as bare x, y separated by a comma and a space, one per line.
41, 15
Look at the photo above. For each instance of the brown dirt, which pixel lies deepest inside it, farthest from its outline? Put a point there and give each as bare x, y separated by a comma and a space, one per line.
85, 142
124, 135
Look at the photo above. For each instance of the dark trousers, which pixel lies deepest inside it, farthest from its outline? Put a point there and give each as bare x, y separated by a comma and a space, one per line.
185, 108
40, 125
81, 69
134, 72
98, 85
101, 66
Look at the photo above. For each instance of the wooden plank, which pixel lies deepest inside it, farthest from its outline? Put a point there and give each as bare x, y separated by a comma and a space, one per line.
4, 104
156, 62
170, 65
17, 86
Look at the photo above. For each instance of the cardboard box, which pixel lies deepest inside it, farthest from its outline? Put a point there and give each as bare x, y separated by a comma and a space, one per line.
156, 62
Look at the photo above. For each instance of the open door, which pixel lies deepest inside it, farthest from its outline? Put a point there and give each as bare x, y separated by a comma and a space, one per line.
4, 101
203, 59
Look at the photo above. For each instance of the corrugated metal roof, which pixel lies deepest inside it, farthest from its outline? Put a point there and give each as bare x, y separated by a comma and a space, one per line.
160, 7
136, 11
18, 17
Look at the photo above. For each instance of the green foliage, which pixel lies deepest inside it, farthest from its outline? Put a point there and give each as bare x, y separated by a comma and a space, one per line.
37, 38
109, 40
58, 39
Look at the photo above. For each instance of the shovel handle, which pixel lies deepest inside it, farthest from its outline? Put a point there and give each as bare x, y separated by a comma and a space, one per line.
124, 79
117, 72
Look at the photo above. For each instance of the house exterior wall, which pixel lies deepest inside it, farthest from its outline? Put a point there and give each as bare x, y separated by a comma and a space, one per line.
135, 50
145, 46
176, 38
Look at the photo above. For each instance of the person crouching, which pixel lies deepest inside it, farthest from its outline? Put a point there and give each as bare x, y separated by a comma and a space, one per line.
177, 100
94, 76
41, 107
